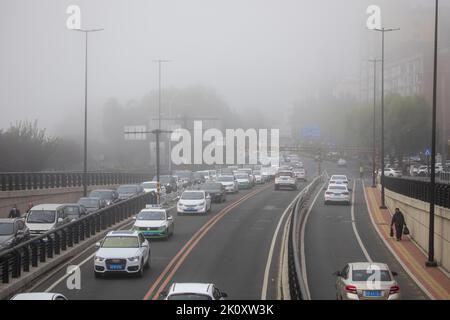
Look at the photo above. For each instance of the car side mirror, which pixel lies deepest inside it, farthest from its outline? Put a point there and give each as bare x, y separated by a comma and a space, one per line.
169, 218
134, 218
337, 274
208, 196
97, 245
144, 245
394, 273
60, 220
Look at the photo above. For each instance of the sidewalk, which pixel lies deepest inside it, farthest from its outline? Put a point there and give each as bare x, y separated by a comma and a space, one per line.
434, 282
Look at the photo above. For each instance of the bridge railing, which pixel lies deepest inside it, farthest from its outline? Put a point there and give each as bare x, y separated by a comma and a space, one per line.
15, 181
21, 258
419, 190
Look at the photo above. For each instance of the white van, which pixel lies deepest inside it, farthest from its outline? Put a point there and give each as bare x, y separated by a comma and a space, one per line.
45, 217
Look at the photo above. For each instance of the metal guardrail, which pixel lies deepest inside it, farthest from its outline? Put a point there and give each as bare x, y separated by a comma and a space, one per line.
12, 181
15, 261
419, 190
297, 287
444, 176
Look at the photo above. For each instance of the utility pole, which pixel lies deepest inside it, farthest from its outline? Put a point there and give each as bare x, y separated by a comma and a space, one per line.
383, 30
374, 61
86, 32
431, 262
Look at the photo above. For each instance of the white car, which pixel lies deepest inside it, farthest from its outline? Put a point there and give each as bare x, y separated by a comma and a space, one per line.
389, 172
342, 163
151, 186
285, 179
194, 291
39, 296
366, 281
122, 251
154, 222
229, 182
337, 193
194, 201
338, 179
258, 177
45, 217
300, 174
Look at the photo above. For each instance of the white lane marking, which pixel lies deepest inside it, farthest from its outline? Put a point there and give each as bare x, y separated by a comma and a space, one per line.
388, 246
363, 248
302, 235
272, 245
283, 271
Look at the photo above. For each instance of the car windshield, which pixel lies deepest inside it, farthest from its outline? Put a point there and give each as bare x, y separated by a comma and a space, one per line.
151, 215
225, 179
284, 174
212, 186
41, 216
101, 194
192, 195
366, 275
337, 187
121, 242
149, 185
242, 176
6, 228
189, 296
127, 189
88, 203
72, 211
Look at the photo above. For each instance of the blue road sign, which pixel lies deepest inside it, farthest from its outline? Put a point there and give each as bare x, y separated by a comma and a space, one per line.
310, 132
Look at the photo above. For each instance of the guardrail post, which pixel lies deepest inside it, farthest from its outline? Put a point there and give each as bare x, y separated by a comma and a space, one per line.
34, 254
42, 253
82, 231
76, 234
57, 245
16, 265
5, 270
69, 237
26, 259
50, 247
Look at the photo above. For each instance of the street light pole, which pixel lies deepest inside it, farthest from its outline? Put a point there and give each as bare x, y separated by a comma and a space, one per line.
374, 61
86, 32
383, 30
431, 262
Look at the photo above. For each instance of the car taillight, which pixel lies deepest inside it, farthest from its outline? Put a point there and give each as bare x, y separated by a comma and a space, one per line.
350, 289
394, 289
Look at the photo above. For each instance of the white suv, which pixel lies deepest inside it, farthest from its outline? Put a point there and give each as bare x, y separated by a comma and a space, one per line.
194, 291
285, 179
122, 251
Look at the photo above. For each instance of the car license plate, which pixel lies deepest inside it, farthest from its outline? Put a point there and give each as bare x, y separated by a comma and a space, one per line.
372, 293
116, 267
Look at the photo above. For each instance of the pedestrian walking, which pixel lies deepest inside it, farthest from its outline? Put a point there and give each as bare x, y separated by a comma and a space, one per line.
14, 212
398, 220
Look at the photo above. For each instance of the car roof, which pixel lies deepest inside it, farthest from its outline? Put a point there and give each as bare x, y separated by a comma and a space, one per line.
191, 287
36, 296
153, 210
118, 233
337, 185
47, 206
368, 265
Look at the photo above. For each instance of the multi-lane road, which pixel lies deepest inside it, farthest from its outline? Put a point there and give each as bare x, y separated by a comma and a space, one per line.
231, 247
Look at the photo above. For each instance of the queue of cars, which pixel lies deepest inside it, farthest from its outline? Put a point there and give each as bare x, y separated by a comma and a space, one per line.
337, 190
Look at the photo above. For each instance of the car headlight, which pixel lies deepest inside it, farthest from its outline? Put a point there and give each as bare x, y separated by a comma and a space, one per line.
134, 259
201, 204
99, 259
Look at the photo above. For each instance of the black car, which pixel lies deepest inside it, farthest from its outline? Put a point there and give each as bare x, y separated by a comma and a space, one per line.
110, 196
75, 211
12, 232
92, 204
216, 190
129, 190
169, 182
198, 178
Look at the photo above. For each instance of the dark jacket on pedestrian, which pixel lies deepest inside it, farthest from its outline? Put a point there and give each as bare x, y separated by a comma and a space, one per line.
14, 213
399, 221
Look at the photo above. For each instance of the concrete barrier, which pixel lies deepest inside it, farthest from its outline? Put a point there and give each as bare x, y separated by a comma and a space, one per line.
416, 214
55, 195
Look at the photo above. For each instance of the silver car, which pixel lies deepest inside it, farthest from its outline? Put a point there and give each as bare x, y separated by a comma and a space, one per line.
366, 281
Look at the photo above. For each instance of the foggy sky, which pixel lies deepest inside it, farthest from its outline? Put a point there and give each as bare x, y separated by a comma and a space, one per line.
257, 54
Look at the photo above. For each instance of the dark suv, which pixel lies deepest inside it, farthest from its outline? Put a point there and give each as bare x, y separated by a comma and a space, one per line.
12, 232
216, 190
